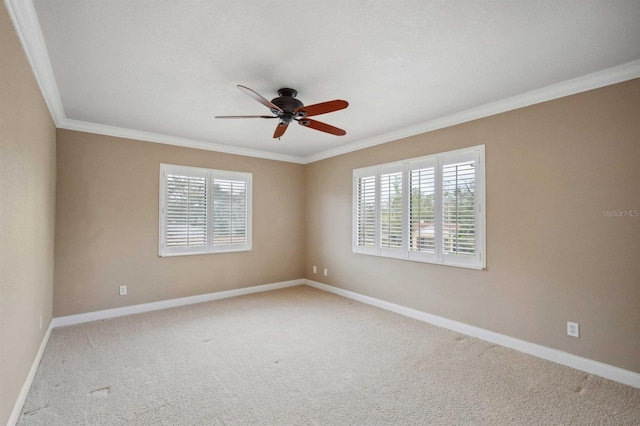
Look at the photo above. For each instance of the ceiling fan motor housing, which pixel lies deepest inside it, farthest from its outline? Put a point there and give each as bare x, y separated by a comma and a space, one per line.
288, 103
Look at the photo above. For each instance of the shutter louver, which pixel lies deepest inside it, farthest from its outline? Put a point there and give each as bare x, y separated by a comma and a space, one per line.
458, 208
391, 210
186, 211
421, 210
366, 212
229, 212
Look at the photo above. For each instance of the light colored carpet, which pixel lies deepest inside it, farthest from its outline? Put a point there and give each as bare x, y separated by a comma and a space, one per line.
300, 356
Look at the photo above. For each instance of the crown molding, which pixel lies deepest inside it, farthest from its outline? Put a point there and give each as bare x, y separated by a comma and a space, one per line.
120, 132
607, 77
25, 21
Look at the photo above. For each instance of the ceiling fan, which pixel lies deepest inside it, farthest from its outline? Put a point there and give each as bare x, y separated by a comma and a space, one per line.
287, 108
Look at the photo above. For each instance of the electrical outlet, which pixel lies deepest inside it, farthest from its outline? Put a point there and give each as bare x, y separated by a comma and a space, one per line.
573, 329
326, 272
123, 290
315, 270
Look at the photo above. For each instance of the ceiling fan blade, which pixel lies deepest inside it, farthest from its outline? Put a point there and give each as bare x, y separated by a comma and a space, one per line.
264, 101
323, 127
323, 108
280, 130
245, 116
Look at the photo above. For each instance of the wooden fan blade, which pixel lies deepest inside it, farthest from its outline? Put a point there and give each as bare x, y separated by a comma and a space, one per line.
245, 116
264, 101
280, 130
323, 127
323, 108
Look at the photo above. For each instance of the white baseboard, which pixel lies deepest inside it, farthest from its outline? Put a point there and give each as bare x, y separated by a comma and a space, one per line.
171, 303
17, 408
574, 361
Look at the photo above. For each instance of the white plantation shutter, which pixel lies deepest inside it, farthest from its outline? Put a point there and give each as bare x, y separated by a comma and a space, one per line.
423, 225
391, 211
229, 212
239, 215
427, 209
365, 189
459, 208
186, 211
203, 210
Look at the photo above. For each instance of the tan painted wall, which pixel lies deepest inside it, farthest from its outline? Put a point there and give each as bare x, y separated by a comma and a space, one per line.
107, 225
27, 208
552, 256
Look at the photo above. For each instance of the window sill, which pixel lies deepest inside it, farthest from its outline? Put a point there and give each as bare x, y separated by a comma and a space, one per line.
456, 265
195, 253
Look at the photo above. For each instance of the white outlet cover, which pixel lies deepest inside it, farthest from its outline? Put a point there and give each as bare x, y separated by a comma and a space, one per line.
315, 269
326, 272
123, 290
573, 329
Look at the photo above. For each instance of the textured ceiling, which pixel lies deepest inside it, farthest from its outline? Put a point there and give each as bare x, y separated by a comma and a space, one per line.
168, 67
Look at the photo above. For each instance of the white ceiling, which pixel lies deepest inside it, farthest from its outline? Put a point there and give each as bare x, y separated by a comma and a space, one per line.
161, 70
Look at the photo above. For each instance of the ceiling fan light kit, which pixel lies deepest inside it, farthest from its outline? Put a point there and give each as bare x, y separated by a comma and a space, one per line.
287, 109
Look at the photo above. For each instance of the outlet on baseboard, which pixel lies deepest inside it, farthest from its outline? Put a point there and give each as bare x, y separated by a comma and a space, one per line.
315, 270
326, 272
123, 290
573, 329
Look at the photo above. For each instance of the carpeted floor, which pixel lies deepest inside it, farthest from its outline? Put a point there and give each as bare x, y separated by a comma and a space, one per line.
300, 356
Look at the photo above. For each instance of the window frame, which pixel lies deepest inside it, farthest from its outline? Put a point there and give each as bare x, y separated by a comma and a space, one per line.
211, 175
438, 161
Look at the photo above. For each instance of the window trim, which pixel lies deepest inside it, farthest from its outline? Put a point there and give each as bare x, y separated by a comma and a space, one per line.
211, 174
438, 160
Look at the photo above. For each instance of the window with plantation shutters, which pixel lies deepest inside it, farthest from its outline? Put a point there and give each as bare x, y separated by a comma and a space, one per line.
203, 211
427, 209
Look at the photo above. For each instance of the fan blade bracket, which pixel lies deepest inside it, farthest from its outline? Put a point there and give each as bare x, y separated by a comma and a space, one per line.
280, 129
323, 127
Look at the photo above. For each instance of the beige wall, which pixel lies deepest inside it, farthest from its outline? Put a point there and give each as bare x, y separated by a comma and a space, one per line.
107, 225
27, 208
552, 256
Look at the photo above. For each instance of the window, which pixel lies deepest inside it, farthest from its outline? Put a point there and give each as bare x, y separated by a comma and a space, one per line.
427, 209
203, 211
